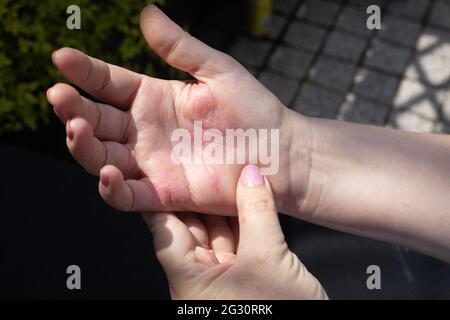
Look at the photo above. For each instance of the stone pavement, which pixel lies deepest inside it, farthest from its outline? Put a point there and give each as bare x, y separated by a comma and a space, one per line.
321, 60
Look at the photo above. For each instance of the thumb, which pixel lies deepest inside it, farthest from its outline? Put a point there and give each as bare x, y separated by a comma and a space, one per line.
258, 216
179, 49
171, 239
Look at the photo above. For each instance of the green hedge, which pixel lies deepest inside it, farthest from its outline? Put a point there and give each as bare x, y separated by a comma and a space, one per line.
31, 30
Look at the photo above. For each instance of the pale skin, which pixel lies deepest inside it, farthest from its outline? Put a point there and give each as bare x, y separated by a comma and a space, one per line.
214, 257
375, 182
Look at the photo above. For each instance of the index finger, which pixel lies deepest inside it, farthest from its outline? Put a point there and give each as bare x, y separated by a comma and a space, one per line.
107, 82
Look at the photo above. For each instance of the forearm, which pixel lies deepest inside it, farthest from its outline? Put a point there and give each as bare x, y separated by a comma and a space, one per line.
377, 182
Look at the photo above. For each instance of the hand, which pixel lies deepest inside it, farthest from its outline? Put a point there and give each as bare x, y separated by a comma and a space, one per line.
212, 258
127, 141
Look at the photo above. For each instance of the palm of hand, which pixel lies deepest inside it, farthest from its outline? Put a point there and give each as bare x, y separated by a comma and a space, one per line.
161, 107
132, 148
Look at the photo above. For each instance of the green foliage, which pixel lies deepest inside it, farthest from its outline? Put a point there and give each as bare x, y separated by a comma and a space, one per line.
31, 30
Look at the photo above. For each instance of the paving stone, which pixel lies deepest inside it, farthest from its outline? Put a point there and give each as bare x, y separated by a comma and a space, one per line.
442, 127
284, 88
249, 52
305, 35
414, 9
332, 73
418, 98
291, 62
431, 63
314, 101
318, 11
410, 121
431, 37
277, 24
284, 6
345, 46
356, 109
366, 3
446, 106
386, 57
446, 128
354, 20
399, 30
440, 14
417, 87
375, 85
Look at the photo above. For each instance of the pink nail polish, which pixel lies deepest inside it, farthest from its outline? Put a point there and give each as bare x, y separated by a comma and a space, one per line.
69, 131
104, 180
251, 176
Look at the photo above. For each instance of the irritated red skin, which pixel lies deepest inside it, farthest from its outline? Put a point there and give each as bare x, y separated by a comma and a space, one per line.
159, 107
215, 183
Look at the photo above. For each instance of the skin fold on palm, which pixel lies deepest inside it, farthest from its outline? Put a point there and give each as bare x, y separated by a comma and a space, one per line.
126, 139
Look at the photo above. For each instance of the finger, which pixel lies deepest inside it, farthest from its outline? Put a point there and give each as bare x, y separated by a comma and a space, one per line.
180, 49
171, 238
206, 257
234, 225
127, 195
221, 238
196, 227
258, 217
108, 123
93, 154
109, 83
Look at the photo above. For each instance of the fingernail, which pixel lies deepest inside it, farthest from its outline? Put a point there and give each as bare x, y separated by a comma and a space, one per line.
251, 176
69, 131
104, 180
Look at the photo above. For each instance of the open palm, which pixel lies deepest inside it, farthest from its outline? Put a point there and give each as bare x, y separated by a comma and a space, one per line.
126, 139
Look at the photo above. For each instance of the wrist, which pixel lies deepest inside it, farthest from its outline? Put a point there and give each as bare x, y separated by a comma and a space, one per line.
305, 177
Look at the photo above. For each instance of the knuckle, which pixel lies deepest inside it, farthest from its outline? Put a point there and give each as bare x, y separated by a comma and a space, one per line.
121, 206
258, 204
125, 203
116, 200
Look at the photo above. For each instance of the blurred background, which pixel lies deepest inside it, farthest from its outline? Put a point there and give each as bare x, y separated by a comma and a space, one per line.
317, 56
